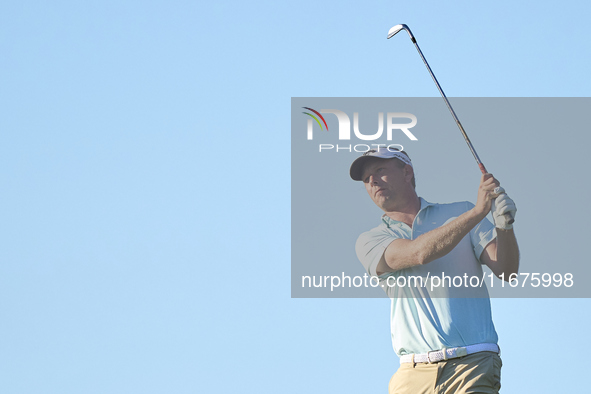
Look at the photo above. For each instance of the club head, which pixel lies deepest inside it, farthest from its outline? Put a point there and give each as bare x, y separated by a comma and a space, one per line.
394, 30
397, 28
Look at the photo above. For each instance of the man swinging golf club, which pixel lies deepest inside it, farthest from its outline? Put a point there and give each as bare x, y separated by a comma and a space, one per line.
445, 337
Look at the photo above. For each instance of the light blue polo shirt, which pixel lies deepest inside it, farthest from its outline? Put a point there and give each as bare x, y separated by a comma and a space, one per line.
423, 319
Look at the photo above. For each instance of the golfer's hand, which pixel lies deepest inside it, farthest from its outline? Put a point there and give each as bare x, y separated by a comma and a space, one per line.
486, 194
503, 209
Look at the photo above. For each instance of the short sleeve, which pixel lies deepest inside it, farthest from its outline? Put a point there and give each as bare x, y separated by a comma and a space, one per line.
482, 234
370, 248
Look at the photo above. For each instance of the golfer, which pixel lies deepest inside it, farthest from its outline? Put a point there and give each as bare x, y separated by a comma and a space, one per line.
444, 335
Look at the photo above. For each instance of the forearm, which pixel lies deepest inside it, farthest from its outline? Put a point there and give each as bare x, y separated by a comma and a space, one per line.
431, 245
507, 258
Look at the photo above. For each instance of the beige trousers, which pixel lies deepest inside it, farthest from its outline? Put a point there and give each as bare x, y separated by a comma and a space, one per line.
475, 373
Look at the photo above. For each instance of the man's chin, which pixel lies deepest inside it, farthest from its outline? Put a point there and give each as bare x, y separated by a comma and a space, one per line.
383, 204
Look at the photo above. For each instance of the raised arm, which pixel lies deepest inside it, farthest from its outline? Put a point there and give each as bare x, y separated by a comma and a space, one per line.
405, 253
502, 255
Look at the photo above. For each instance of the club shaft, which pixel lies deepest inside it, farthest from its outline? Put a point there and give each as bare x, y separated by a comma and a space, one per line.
397, 28
453, 113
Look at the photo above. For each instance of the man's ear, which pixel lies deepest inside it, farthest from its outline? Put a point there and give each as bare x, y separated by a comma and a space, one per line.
409, 173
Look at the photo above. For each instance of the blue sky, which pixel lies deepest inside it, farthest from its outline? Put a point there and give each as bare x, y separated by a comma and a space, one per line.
145, 166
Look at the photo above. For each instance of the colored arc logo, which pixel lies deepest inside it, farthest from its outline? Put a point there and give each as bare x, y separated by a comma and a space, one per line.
315, 118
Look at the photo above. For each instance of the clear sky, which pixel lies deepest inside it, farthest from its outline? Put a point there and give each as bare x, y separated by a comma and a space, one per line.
145, 171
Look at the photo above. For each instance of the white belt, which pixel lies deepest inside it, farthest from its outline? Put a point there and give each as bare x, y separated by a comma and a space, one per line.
449, 353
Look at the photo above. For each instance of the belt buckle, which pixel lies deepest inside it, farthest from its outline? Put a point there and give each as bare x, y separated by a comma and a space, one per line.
461, 351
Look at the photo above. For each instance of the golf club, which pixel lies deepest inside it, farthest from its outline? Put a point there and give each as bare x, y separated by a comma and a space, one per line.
393, 31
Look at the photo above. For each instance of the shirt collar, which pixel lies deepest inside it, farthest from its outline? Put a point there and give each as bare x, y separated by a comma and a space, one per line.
391, 222
424, 203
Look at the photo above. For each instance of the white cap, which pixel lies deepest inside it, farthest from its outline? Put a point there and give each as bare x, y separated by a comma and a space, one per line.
356, 170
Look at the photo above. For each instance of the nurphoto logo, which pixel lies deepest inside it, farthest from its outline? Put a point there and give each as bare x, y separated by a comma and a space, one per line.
344, 132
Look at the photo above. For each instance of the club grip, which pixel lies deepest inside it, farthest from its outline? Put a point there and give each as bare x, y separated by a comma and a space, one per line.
509, 217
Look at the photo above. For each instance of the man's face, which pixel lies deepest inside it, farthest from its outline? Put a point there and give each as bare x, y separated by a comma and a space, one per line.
385, 182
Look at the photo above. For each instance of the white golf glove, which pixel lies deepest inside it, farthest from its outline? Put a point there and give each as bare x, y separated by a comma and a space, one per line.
500, 207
